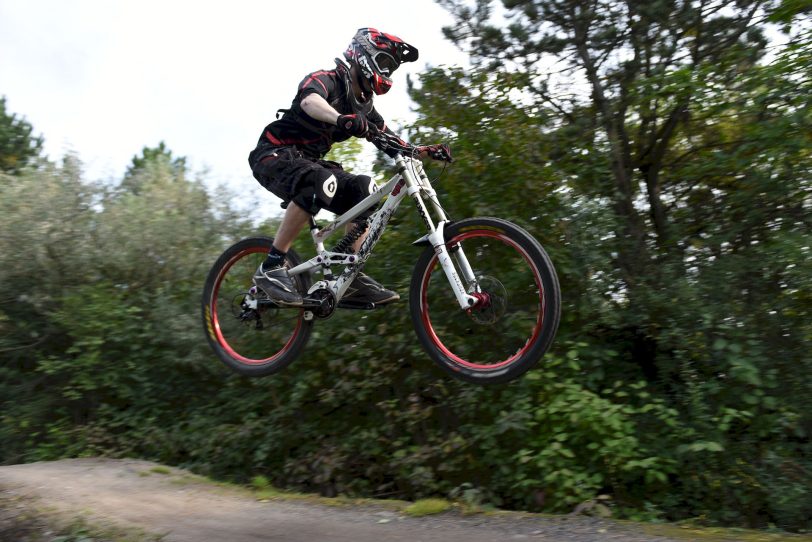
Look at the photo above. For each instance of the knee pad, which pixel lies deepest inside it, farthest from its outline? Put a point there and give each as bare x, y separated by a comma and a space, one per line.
362, 186
356, 189
315, 189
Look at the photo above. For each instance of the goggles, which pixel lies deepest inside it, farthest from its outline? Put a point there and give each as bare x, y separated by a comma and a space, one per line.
384, 63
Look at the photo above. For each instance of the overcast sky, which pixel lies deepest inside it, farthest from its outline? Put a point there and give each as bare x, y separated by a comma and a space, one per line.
104, 78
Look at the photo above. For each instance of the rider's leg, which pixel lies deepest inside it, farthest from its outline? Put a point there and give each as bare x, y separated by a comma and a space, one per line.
306, 185
292, 223
313, 188
356, 246
354, 188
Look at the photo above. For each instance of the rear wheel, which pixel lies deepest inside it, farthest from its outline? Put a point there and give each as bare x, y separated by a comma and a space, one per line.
249, 333
516, 316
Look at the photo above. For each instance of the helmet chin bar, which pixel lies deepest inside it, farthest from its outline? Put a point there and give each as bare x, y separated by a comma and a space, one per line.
362, 61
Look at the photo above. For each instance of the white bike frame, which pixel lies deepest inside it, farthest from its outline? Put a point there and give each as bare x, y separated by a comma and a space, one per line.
410, 179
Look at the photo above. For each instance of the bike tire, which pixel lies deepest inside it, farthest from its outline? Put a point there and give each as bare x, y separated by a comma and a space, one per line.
279, 334
508, 335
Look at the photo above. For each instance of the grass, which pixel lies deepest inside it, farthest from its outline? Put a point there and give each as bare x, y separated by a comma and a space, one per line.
718, 534
261, 489
80, 530
427, 507
26, 519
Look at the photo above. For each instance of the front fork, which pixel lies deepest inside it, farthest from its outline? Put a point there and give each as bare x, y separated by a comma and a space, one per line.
417, 183
437, 240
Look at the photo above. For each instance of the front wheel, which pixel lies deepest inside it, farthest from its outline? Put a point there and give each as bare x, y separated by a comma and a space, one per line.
519, 301
249, 333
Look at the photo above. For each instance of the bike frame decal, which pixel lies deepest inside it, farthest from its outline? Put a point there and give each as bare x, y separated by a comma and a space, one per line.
398, 186
209, 324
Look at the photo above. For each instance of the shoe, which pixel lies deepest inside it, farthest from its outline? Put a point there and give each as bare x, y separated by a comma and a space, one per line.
278, 285
365, 289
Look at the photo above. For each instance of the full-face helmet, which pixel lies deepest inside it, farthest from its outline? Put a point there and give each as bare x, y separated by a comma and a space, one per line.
378, 55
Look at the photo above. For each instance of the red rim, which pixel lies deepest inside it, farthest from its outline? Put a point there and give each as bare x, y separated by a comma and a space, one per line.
424, 309
221, 340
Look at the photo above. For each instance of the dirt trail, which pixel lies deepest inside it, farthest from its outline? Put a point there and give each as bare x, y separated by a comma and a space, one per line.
134, 494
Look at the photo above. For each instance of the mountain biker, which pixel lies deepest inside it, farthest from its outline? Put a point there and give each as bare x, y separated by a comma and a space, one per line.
330, 106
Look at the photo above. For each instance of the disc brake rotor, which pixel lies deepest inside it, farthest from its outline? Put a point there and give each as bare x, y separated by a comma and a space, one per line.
491, 301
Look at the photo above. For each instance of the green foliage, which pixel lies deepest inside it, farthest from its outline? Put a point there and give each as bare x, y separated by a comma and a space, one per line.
260, 483
581, 443
151, 157
347, 153
681, 185
96, 285
18, 148
677, 387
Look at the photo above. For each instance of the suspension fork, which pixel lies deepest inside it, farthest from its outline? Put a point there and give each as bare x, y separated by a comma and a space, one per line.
456, 250
416, 186
437, 240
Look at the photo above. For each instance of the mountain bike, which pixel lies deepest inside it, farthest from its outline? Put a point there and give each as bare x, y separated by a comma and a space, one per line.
484, 297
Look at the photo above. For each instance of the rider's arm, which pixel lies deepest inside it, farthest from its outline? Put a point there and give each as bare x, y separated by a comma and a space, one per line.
317, 108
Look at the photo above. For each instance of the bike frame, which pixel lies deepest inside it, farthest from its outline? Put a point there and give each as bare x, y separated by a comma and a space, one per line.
411, 180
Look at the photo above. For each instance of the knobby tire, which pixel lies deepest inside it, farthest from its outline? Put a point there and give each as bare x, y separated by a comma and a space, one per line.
256, 343
508, 335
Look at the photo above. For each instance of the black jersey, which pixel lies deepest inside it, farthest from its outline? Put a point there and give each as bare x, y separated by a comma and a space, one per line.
312, 137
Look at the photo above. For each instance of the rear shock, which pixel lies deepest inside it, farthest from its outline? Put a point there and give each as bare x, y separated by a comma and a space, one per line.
352, 236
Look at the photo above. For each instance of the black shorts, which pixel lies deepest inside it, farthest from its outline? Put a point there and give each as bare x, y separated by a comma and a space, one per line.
290, 176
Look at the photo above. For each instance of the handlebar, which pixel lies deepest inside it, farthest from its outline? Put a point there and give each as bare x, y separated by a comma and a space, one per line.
393, 146
389, 143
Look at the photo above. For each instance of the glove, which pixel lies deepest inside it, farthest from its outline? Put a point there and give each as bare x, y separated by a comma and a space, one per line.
355, 125
437, 152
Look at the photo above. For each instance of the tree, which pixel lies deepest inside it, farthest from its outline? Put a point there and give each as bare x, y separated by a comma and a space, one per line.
112, 308
150, 158
640, 65
682, 157
678, 392
18, 148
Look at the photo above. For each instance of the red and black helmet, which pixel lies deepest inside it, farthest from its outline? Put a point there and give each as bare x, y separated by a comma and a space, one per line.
378, 55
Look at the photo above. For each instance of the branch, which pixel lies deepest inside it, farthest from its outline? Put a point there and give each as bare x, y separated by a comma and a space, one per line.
555, 105
659, 143
710, 146
26, 346
724, 44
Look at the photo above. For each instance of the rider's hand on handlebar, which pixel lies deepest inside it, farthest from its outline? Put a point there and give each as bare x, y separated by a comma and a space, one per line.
436, 152
392, 145
354, 125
